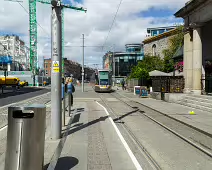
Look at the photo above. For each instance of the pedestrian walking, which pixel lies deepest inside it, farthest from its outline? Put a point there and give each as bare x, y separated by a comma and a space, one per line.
123, 84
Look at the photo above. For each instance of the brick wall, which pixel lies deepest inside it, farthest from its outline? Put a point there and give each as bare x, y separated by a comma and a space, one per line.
47, 67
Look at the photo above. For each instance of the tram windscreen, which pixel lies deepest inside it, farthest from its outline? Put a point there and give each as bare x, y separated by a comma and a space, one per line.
103, 81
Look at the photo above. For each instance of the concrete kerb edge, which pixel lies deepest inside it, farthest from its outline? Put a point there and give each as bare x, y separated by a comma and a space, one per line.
189, 125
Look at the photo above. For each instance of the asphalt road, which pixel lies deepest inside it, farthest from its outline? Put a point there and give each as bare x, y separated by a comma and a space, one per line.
24, 93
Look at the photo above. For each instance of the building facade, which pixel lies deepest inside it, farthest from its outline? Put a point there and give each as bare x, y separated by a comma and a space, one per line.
74, 68
123, 61
47, 67
197, 56
155, 45
14, 53
158, 30
70, 68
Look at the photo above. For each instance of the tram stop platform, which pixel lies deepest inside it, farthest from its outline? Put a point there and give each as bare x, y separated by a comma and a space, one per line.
90, 142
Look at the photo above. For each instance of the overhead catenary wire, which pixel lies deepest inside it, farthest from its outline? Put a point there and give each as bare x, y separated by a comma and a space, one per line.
112, 24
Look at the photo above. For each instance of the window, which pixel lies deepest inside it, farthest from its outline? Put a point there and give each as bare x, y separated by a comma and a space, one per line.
154, 32
103, 81
161, 31
46, 71
46, 65
154, 50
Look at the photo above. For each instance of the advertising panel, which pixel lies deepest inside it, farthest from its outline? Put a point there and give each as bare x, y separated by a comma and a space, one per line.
108, 61
5, 59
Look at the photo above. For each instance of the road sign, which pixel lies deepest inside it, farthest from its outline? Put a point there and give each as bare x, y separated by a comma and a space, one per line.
55, 63
55, 67
56, 70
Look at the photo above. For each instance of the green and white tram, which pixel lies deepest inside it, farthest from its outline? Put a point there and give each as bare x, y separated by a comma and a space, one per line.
103, 80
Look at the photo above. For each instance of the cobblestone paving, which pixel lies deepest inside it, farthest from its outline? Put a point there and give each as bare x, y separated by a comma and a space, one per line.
98, 158
42, 99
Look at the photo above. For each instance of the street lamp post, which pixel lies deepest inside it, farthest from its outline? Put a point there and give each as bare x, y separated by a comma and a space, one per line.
114, 71
82, 62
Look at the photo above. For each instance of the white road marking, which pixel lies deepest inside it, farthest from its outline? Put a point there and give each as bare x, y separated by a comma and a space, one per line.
132, 156
1, 129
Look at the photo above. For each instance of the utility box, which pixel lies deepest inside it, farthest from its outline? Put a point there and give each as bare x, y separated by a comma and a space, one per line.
25, 137
137, 90
143, 91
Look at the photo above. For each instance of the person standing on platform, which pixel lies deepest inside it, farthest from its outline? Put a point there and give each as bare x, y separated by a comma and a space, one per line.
72, 90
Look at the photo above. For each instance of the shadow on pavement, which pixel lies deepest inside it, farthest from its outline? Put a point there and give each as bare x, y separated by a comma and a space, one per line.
127, 114
80, 109
64, 163
78, 124
9, 91
76, 118
87, 124
112, 91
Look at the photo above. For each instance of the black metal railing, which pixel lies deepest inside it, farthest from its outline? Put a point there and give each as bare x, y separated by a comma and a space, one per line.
168, 84
208, 84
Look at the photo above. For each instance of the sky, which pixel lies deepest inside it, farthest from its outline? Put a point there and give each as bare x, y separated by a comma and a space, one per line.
132, 20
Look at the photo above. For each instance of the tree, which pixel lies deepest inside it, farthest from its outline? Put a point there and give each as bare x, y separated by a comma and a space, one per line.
174, 43
138, 72
148, 64
151, 63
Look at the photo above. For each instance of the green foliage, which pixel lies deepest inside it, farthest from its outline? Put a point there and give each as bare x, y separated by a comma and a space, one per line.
148, 64
168, 61
151, 63
174, 43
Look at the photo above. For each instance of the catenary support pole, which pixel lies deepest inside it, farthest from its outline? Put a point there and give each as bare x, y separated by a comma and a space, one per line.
114, 71
83, 62
56, 71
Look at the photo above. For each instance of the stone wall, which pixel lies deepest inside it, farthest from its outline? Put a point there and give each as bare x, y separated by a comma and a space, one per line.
161, 44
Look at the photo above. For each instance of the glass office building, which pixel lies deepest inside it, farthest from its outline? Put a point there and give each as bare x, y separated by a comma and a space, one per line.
158, 30
124, 61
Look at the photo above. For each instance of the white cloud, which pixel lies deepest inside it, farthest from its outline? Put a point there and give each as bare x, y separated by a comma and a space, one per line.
95, 24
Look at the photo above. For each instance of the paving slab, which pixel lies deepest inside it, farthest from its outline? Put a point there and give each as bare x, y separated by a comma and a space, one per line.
201, 119
92, 142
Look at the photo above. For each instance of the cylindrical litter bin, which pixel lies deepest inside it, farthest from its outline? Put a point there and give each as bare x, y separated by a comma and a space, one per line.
25, 137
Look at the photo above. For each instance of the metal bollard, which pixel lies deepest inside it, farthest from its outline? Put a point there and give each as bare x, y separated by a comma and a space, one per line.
63, 104
69, 104
25, 137
64, 111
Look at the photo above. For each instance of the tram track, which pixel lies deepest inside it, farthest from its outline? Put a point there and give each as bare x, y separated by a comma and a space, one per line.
197, 139
132, 136
193, 136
